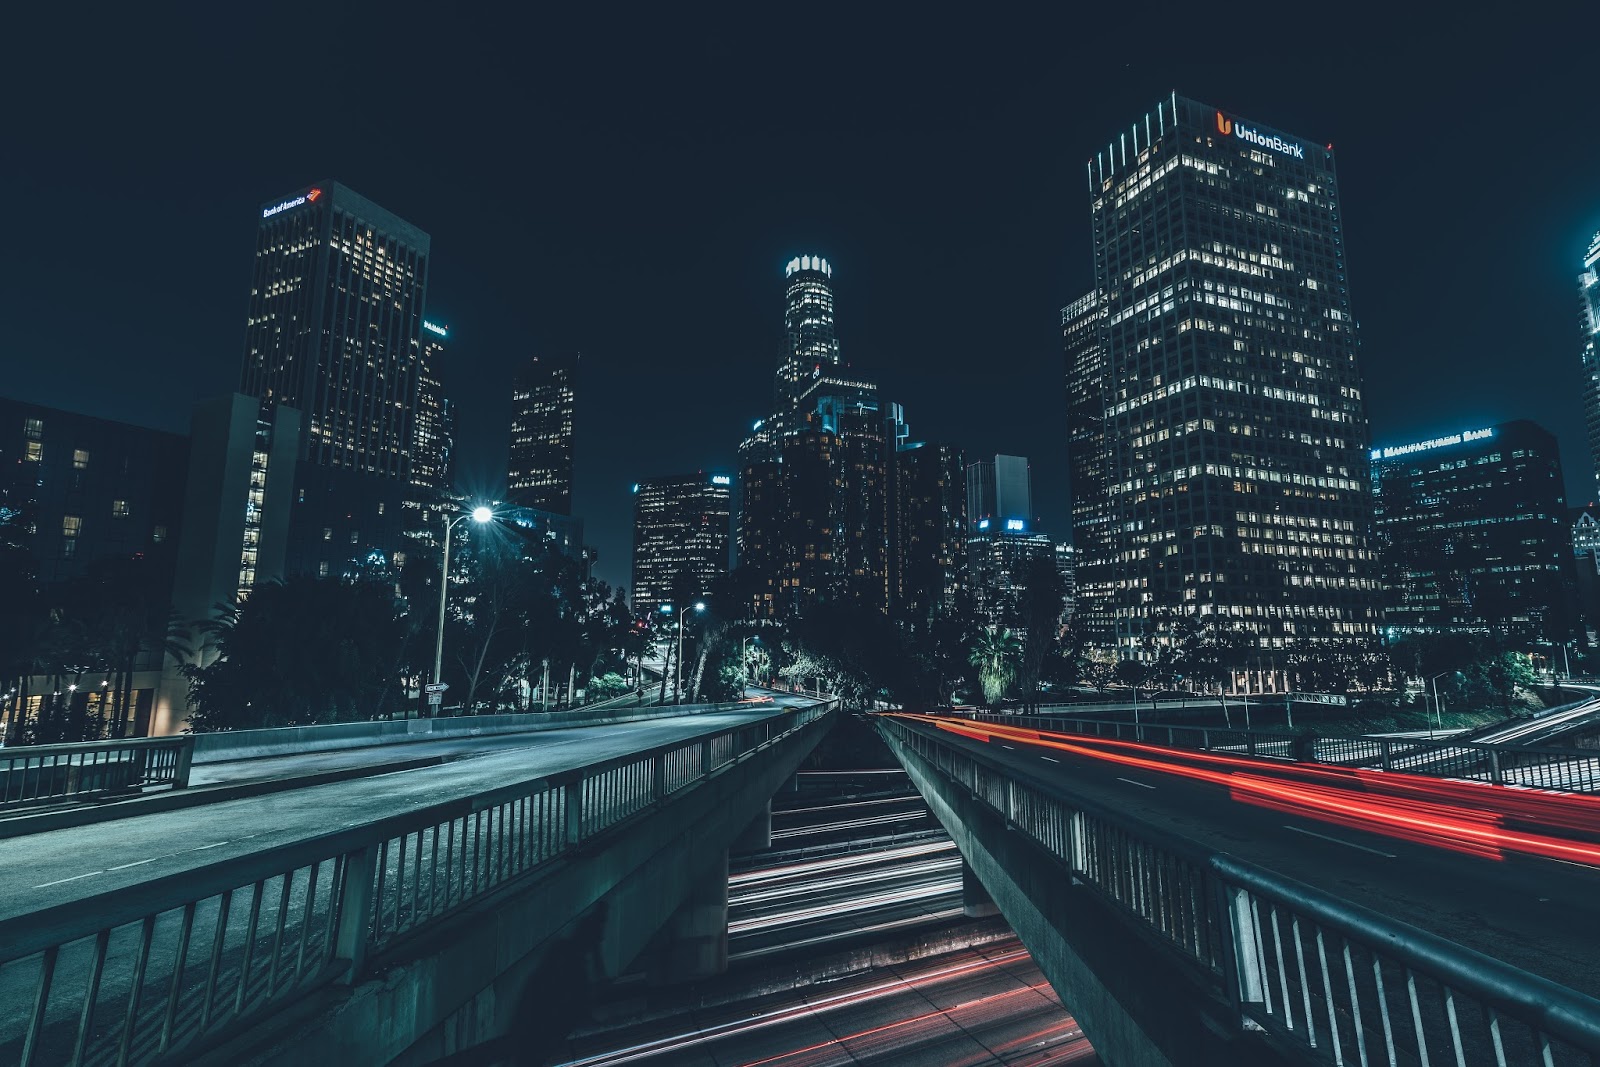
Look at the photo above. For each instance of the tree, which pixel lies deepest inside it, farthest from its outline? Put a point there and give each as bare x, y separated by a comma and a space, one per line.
996, 654
1040, 607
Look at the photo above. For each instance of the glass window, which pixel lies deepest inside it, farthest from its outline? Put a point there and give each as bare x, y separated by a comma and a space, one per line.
159, 534
119, 509
35, 452
33, 428
80, 459
71, 525
322, 569
68, 548
327, 533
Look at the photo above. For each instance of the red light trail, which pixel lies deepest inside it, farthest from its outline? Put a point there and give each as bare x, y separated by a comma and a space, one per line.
1477, 818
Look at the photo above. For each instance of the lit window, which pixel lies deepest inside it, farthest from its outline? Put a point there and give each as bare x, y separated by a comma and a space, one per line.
35, 452
327, 533
322, 569
399, 559
33, 429
119, 509
71, 525
159, 534
380, 507
355, 537
68, 548
80, 459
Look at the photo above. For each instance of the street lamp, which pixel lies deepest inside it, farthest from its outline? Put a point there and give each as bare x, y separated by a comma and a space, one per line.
479, 515
677, 681
1438, 716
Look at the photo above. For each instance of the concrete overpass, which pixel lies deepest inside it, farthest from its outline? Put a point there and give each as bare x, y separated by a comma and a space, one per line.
393, 918
1209, 907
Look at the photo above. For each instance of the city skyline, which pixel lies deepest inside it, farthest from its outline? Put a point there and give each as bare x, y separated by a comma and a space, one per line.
1484, 345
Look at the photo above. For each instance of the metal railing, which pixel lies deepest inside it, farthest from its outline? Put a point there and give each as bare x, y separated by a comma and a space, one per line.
1570, 770
32, 774
160, 970
1335, 981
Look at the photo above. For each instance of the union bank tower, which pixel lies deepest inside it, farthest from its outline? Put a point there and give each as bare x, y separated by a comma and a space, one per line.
1218, 431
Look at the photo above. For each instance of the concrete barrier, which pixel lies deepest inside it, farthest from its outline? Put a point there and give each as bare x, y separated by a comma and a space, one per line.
288, 740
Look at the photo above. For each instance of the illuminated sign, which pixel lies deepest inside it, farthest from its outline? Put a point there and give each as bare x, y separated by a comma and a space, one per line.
1464, 437
816, 263
983, 524
1225, 126
309, 198
434, 327
1014, 524
721, 479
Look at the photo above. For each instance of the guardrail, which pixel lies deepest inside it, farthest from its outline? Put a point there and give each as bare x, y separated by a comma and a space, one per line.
1333, 980
33, 774
1566, 769
110, 979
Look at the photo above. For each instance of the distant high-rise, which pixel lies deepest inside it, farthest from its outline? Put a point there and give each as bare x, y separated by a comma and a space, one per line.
680, 538
927, 519
542, 404
435, 434
335, 331
1233, 434
810, 346
1589, 320
1089, 457
1000, 491
1472, 528
335, 325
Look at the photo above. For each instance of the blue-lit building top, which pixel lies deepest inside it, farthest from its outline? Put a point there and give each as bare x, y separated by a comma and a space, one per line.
1589, 321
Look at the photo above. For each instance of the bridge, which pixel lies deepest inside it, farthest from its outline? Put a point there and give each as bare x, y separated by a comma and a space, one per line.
1212, 896
393, 917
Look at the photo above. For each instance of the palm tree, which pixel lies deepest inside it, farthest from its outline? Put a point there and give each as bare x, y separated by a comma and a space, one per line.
996, 654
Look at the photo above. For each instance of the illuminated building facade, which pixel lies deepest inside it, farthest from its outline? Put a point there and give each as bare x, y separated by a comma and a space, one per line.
1233, 434
1585, 523
1472, 531
335, 325
1089, 458
334, 331
1000, 490
543, 401
927, 523
1589, 321
435, 425
680, 538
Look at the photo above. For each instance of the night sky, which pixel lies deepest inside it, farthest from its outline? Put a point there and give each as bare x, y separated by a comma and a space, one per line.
630, 185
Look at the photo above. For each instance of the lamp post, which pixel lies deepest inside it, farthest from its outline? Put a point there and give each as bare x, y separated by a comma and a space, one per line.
1438, 716
677, 682
478, 515
744, 665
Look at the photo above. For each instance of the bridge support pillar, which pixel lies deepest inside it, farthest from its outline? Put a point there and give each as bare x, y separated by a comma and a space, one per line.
976, 903
758, 835
694, 942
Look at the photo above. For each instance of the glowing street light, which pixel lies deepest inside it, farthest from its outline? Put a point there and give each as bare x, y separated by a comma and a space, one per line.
479, 515
677, 684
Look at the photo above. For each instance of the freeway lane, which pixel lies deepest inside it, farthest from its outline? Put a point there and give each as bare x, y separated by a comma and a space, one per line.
1535, 913
981, 1006
43, 869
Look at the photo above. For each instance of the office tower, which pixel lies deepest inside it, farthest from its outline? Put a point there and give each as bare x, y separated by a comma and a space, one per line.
1000, 490
1472, 533
927, 523
1088, 456
810, 345
1589, 321
1234, 436
997, 566
543, 399
75, 489
1585, 523
680, 538
435, 425
1067, 567
335, 331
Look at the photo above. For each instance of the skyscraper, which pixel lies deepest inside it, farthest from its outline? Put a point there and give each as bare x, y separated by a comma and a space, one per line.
680, 538
1589, 321
927, 518
543, 400
1472, 529
810, 345
1000, 490
435, 432
1234, 436
1088, 455
335, 331
335, 325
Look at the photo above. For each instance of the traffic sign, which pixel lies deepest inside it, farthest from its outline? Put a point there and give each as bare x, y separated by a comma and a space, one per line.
435, 698
437, 687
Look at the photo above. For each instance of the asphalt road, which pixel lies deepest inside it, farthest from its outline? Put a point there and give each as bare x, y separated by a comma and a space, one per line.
981, 1006
1534, 913
1549, 729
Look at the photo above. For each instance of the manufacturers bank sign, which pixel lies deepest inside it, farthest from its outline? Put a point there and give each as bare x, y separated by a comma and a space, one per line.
1272, 141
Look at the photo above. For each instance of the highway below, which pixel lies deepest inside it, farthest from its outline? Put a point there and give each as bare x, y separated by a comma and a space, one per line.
1556, 728
988, 1005
1532, 911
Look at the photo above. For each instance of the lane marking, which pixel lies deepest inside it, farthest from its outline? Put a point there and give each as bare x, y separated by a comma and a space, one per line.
135, 863
1339, 841
1141, 785
1013, 748
74, 878
1052, 759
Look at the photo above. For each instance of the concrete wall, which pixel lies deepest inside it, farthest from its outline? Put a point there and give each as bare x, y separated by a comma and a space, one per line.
287, 740
462, 983
1139, 1002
